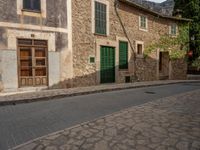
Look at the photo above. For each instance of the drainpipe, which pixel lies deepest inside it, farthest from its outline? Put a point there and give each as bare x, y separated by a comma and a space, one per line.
116, 5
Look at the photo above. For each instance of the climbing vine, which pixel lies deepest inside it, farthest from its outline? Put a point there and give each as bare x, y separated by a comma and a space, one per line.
176, 46
196, 63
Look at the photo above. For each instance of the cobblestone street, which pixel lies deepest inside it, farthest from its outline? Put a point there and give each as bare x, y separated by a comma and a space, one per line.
171, 123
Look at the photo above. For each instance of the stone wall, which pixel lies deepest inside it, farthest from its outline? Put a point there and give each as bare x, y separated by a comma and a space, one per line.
84, 41
165, 64
146, 69
178, 69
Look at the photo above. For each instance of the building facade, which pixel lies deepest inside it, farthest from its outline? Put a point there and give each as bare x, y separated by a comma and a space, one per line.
70, 43
34, 42
115, 35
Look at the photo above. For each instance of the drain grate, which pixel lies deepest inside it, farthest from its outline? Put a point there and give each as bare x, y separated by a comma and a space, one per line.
149, 92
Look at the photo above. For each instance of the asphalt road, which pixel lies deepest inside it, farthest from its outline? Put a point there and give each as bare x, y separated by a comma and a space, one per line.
23, 122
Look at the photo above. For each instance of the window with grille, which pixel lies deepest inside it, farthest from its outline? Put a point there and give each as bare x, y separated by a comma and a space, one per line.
32, 5
143, 22
173, 30
100, 18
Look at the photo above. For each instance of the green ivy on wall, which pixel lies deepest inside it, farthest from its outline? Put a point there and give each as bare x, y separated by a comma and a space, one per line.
177, 46
196, 63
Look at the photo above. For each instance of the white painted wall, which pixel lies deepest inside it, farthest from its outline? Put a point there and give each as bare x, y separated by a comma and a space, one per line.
54, 68
10, 72
9, 69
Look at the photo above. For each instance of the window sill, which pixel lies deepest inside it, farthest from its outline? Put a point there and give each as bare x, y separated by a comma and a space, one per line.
32, 11
143, 29
173, 35
98, 34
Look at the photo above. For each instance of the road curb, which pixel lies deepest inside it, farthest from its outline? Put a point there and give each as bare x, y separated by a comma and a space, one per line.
46, 98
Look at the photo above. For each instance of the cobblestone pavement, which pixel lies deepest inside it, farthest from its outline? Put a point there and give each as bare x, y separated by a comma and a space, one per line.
22, 97
171, 123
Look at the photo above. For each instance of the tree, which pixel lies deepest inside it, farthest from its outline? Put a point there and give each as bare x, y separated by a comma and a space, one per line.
191, 10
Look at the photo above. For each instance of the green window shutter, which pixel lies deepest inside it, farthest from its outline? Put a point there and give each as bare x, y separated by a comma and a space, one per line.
123, 55
100, 18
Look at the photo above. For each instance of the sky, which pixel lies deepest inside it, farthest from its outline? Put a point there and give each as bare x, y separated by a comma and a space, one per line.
158, 1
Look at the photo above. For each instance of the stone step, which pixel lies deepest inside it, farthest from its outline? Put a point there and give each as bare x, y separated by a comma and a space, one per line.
193, 77
163, 77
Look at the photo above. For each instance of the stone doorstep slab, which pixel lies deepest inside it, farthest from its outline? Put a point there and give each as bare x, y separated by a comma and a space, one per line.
60, 93
57, 133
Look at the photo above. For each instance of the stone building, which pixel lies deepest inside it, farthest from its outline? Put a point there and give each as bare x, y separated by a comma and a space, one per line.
69, 43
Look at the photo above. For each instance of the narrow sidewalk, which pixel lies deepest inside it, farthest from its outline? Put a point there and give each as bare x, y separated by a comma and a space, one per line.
58, 93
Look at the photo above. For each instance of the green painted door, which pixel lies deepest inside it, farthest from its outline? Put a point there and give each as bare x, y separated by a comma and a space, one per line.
107, 71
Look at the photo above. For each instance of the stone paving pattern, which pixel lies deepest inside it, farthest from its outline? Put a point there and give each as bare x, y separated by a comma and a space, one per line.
6, 98
171, 123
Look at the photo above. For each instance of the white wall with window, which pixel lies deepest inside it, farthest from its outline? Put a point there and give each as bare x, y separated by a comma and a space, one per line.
35, 8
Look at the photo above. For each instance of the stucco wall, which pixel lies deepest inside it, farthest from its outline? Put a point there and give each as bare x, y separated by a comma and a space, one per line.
54, 68
51, 25
56, 14
1, 83
3, 38
84, 41
9, 72
9, 69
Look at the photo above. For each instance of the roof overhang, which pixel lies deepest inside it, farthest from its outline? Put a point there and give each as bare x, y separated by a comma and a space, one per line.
130, 3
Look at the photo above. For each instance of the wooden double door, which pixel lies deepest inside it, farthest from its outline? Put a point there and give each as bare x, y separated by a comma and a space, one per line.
32, 62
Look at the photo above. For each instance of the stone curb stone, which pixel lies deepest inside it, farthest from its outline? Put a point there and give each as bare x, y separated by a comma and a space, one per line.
85, 91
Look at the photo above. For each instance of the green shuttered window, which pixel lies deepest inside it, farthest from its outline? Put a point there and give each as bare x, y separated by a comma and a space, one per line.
32, 5
123, 55
100, 18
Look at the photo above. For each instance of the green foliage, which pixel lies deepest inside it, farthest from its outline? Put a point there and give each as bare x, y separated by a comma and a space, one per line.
176, 46
196, 63
191, 9
176, 54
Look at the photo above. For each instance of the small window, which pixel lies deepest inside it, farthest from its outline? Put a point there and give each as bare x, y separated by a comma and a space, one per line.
123, 55
92, 60
32, 5
139, 48
173, 29
143, 22
100, 18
